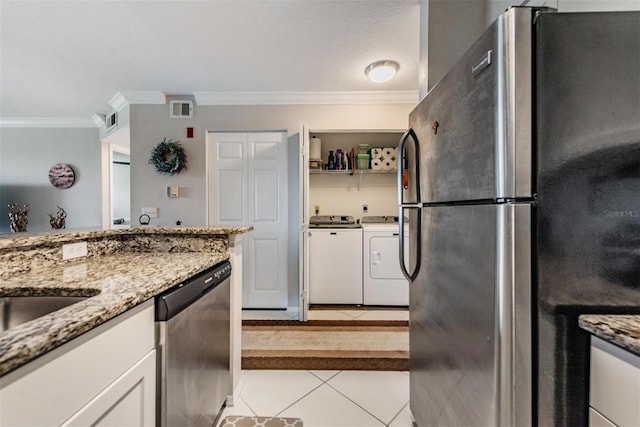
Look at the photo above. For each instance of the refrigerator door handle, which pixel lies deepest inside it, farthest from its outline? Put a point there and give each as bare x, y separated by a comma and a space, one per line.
404, 174
404, 183
410, 276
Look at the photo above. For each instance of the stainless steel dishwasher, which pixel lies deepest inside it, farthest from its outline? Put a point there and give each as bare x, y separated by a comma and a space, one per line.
193, 340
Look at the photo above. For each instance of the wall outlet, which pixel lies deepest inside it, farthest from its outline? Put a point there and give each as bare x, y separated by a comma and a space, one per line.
152, 212
365, 208
74, 250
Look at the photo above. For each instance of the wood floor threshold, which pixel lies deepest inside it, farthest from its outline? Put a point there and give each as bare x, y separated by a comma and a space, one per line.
326, 360
325, 323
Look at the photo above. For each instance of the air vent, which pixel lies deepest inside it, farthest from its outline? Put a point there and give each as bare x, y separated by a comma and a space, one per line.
181, 109
111, 120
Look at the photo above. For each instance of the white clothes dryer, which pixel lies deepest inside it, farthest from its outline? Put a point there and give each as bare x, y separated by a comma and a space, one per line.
382, 279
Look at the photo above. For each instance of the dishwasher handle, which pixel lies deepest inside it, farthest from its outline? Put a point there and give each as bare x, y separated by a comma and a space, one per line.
171, 302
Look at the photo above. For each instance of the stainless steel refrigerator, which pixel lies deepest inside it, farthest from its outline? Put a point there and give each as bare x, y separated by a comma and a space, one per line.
521, 186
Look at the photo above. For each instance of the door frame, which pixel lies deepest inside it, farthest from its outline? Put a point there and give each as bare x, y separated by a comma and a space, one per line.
107, 150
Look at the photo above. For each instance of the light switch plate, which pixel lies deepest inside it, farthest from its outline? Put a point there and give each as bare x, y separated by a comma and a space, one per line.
74, 250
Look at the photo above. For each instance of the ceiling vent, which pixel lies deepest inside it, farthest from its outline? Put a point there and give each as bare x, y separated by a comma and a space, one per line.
111, 120
181, 109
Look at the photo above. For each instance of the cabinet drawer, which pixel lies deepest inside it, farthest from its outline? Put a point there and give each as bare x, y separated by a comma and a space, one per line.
615, 383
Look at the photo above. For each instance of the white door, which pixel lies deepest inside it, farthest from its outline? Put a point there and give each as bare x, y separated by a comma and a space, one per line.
247, 185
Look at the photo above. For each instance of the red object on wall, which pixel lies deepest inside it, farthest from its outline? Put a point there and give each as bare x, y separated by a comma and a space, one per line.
189, 132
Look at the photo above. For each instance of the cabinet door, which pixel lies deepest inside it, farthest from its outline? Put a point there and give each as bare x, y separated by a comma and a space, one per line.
335, 267
128, 401
614, 383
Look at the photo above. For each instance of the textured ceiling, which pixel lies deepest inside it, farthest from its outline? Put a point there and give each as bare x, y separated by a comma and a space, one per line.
69, 58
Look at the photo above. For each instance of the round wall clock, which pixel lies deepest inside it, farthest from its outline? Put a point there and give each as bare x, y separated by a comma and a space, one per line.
61, 176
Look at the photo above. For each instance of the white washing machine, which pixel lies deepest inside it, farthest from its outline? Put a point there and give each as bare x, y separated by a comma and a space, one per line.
335, 260
382, 279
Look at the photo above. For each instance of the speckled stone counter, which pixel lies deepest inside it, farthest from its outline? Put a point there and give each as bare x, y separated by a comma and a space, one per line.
123, 268
622, 330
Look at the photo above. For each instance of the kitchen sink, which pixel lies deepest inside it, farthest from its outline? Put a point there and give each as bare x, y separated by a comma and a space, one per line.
15, 311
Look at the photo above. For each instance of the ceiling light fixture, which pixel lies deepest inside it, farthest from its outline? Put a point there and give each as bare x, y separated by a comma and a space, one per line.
381, 71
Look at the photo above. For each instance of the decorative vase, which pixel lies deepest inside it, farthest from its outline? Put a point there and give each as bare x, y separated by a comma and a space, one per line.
18, 217
58, 221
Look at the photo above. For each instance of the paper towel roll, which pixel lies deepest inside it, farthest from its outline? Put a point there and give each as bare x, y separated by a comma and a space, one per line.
376, 164
395, 164
376, 153
387, 165
315, 149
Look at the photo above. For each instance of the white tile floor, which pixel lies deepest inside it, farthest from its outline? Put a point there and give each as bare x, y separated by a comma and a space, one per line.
327, 398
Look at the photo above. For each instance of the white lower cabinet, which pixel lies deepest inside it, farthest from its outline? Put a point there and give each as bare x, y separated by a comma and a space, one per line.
104, 377
335, 266
614, 386
128, 401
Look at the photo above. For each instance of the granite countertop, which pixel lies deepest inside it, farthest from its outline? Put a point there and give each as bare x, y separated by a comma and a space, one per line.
124, 268
622, 330
16, 240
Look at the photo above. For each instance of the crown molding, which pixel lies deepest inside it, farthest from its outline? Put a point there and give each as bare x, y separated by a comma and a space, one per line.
47, 122
124, 98
291, 98
99, 119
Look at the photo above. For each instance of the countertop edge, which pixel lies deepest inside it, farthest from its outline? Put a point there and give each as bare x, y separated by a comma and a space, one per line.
18, 240
621, 330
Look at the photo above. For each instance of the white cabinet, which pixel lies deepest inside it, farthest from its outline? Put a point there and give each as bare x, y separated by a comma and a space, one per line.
614, 386
126, 402
106, 375
335, 266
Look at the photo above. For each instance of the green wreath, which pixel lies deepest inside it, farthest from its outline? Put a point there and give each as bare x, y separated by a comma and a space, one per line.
168, 157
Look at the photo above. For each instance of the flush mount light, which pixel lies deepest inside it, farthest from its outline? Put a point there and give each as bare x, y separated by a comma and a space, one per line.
381, 71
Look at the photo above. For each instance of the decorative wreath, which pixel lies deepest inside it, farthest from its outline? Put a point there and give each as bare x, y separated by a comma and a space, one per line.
168, 157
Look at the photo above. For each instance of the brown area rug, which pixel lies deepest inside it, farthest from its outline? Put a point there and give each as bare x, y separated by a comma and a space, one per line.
246, 421
326, 344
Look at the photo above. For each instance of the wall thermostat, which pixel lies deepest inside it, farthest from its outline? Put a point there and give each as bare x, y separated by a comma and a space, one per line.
173, 191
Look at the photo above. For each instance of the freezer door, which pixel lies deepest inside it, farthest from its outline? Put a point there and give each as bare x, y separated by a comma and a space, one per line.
588, 133
470, 318
474, 126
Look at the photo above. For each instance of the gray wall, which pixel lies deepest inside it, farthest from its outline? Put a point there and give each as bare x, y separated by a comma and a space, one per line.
150, 124
26, 154
449, 27
597, 5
